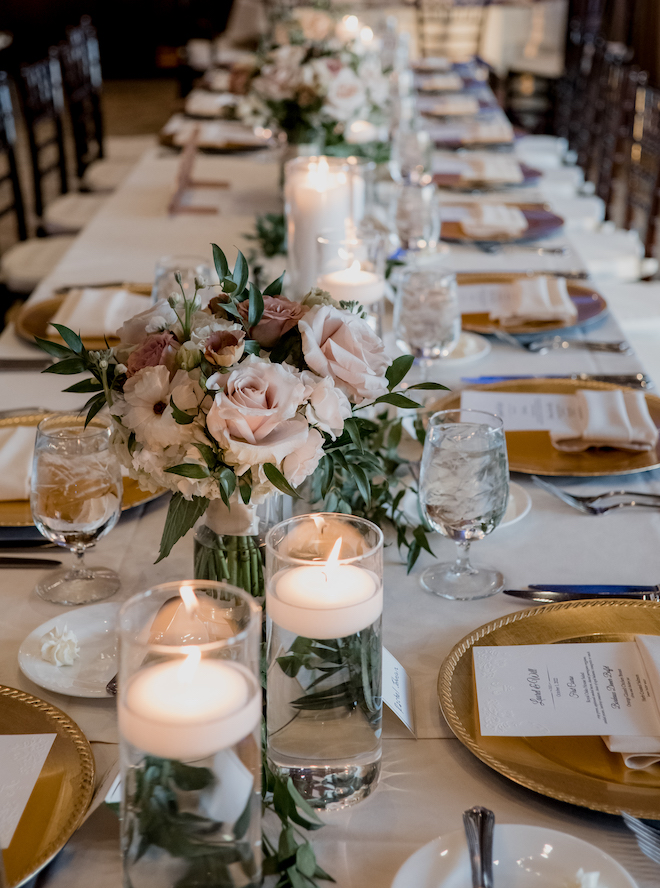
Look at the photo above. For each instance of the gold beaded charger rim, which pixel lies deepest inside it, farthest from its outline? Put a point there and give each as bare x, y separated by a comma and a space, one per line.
587, 300
63, 791
33, 319
17, 513
532, 453
577, 770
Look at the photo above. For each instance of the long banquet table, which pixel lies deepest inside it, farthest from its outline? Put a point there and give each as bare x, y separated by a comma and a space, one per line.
427, 782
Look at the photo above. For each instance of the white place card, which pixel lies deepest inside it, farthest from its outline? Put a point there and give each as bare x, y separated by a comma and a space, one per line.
526, 411
554, 690
398, 691
22, 756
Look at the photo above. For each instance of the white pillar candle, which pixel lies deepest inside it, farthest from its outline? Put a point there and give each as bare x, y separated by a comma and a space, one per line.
362, 131
189, 709
320, 199
329, 600
353, 284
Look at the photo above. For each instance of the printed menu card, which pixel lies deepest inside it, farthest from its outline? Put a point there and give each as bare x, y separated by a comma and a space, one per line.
22, 756
588, 689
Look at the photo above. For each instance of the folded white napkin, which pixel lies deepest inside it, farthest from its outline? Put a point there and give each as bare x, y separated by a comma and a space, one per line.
437, 82
491, 220
97, 312
454, 105
208, 104
16, 450
616, 418
219, 134
535, 299
642, 752
496, 129
484, 167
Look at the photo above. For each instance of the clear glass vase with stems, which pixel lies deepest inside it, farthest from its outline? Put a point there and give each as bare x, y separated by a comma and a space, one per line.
189, 709
324, 656
463, 491
75, 497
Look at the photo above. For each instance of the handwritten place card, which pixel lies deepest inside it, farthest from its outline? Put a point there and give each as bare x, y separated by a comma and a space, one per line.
557, 690
397, 690
22, 756
525, 411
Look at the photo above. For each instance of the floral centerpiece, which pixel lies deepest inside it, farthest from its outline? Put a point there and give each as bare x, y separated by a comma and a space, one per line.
312, 85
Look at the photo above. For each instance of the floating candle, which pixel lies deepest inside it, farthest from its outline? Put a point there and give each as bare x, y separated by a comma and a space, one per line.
353, 284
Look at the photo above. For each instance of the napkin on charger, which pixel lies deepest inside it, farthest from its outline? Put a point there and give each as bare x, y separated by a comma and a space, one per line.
458, 105
202, 103
16, 451
436, 82
616, 418
495, 130
485, 167
642, 752
540, 298
98, 312
491, 220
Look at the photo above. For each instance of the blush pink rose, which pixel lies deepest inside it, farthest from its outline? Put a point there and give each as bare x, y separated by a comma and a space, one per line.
254, 418
280, 315
300, 464
341, 345
225, 347
157, 349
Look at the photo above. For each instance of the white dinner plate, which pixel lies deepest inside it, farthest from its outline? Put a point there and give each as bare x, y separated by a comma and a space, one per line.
523, 857
470, 347
520, 502
95, 627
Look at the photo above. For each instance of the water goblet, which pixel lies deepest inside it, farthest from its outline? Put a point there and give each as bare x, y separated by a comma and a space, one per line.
463, 492
75, 498
416, 217
410, 157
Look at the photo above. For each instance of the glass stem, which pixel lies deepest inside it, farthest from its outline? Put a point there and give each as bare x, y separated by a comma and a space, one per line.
462, 563
79, 570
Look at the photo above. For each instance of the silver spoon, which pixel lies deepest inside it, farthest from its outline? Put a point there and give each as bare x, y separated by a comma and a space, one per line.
479, 824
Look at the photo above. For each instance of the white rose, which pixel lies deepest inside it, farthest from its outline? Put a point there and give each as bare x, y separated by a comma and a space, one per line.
157, 317
341, 345
254, 417
346, 96
327, 406
300, 464
280, 76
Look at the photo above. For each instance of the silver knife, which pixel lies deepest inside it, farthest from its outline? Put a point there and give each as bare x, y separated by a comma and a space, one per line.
42, 563
585, 592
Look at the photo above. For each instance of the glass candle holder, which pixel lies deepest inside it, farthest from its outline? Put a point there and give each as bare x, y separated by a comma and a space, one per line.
322, 195
353, 270
189, 708
324, 601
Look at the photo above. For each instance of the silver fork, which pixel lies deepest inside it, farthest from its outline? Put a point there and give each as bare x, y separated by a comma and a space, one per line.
586, 503
647, 837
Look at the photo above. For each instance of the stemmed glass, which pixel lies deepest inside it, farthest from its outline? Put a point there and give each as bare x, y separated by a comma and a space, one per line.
416, 217
76, 499
463, 491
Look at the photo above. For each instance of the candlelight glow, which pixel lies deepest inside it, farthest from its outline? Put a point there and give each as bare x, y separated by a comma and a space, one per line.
333, 557
186, 672
351, 23
319, 522
318, 175
366, 35
189, 599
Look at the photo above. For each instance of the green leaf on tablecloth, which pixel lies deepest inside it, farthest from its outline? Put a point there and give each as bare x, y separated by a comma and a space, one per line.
398, 370
181, 516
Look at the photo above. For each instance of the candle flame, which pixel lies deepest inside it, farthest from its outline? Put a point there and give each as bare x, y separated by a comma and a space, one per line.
186, 671
189, 598
333, 558
351, 23
366, 35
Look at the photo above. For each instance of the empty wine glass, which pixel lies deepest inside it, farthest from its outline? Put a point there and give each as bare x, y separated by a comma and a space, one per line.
463, 491
410, 156
416, 217
76, 499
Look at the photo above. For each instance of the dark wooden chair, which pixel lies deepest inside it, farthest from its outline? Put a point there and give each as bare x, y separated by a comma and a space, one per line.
643, 168
11, 197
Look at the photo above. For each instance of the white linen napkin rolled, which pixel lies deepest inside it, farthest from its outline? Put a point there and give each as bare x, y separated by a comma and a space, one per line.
16, 450
501, 168
618, 419
491, 220
98, 312
535, 299
642, 752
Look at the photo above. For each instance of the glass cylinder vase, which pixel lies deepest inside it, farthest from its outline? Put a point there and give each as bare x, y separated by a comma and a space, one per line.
189, 708
324, 601
322, 196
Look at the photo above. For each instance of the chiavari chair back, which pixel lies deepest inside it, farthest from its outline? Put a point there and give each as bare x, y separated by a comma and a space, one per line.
449, 29
81, 68
643, 167
616, 131
43, 103
11, 198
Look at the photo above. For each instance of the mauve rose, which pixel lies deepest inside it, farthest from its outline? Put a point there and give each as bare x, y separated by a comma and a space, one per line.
280, 315
157, 349
341, 345
225, 347
254, 419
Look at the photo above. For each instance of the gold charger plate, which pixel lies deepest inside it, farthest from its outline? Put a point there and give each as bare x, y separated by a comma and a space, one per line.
532, 452
63, 791
17, 513
578, 770
33, 319
589, 303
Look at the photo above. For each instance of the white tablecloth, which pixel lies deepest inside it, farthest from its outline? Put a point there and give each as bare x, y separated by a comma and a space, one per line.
428, 782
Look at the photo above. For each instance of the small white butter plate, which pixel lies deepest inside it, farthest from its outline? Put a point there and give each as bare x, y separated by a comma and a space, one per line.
95, 627
523, 857
470, 347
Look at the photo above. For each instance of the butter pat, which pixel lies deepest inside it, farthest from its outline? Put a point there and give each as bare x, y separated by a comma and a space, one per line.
60, 647
586, 880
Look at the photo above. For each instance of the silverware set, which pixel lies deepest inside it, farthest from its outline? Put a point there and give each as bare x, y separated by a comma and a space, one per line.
601, 503
558, 343
496, 248
648, 838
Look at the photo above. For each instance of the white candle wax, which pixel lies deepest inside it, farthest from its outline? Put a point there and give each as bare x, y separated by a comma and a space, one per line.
171, 712
324, 601
361, 131
353, 283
